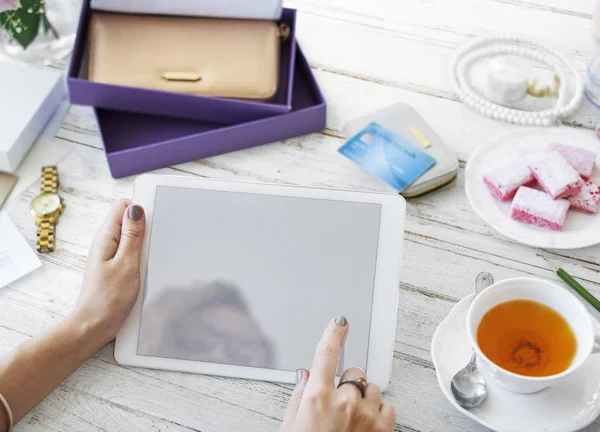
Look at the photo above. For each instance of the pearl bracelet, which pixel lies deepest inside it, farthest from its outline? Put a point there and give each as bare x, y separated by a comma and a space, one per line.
521, 46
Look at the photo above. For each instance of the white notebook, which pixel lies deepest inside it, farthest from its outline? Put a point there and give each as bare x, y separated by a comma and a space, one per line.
404, 121
243, 9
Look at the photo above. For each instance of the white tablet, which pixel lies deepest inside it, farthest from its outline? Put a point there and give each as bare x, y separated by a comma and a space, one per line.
241, 279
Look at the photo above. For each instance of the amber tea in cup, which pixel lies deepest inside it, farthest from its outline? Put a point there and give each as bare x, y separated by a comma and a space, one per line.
527, 338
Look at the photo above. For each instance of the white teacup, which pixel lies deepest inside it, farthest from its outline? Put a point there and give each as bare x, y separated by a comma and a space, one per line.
584, 326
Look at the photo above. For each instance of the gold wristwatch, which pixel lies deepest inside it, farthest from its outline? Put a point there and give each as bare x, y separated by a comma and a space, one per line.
46, 208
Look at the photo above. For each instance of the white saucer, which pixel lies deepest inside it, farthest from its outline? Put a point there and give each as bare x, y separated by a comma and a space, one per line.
580, 230
571, 405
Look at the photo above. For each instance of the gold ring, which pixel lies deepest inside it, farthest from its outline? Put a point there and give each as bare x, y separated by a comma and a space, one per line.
360, 383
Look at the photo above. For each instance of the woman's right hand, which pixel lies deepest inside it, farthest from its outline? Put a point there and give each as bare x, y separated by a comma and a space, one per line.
317, 406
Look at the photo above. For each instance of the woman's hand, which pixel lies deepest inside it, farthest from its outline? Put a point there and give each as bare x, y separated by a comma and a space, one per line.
317, 406
110, 287
112, 274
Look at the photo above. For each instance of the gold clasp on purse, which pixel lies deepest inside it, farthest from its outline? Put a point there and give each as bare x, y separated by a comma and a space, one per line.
181, 76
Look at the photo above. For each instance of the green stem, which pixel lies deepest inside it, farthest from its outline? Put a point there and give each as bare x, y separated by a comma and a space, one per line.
50, 26
578, 288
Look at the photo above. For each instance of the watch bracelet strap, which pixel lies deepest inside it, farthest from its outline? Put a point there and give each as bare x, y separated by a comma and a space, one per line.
49, 180
45, 236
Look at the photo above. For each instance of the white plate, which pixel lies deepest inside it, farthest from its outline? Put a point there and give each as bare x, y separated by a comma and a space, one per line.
580, 230
568, 407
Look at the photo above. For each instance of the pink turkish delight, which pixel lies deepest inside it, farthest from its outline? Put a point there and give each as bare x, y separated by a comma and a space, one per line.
555, 175
582, 160
538, 208
587, 199
506, 177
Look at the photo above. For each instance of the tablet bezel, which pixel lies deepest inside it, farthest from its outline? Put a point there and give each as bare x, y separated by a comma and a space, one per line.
387, 274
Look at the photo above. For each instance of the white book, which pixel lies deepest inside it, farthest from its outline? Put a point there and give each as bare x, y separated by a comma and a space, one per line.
242, 9
29, 97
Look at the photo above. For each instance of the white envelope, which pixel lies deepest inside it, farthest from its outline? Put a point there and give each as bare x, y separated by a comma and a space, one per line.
243, 9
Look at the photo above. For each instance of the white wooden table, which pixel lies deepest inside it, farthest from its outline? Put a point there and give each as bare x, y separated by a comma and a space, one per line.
366, 55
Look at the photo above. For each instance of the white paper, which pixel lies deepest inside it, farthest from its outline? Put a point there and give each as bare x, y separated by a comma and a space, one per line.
243, 9
16, 257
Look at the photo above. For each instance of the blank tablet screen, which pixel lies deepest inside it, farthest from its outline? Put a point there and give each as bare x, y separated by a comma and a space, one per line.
252, 280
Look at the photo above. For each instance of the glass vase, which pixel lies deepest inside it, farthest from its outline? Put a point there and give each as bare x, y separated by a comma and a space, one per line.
51, 44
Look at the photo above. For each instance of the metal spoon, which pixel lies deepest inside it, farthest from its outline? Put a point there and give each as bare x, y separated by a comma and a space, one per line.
468, 385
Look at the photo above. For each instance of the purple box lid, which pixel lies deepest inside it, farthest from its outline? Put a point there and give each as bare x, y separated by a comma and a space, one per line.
137, 143
137, 100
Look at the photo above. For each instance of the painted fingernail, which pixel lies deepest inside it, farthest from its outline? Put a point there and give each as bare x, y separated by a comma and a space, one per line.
135, 212
300, 375
340, 320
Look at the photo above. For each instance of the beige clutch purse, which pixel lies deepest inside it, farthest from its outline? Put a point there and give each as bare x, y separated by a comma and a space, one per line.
206, 56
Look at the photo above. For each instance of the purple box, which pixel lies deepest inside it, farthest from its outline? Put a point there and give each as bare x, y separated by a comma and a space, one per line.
212, 109
136, 143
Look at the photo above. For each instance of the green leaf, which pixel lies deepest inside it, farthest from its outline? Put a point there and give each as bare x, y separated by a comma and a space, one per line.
23, 24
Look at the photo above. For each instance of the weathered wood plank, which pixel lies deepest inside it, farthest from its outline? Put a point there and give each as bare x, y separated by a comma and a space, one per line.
366, 55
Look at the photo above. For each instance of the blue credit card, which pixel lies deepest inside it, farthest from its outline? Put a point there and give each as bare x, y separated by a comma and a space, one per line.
387, 156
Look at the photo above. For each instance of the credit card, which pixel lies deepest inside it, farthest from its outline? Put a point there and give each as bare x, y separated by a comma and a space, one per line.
387, 156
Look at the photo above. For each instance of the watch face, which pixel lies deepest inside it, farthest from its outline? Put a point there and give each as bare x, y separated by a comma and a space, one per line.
46, 204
